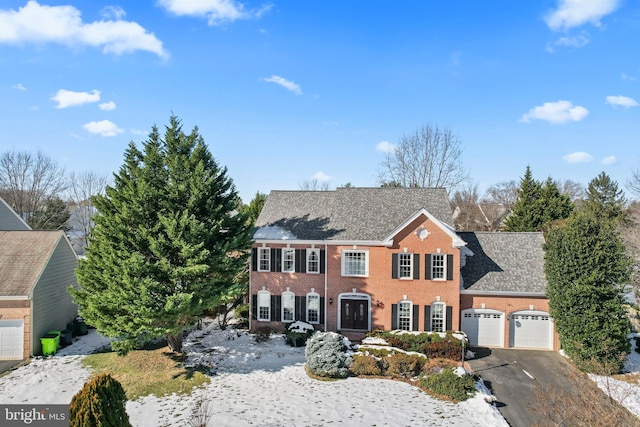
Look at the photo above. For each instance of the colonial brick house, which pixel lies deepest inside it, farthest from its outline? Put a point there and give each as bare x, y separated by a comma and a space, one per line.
357, 259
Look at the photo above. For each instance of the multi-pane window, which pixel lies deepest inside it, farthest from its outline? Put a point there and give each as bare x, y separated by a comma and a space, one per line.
288, 260
354, 263
437, 316
313, 307
404, 315
288, 306
313, 260
438, 267
264, 305
405, 266
264, 259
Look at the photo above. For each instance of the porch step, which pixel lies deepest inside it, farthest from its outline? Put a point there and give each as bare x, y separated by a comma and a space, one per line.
354, 336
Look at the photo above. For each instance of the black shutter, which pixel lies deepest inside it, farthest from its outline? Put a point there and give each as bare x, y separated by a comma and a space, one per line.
276, 309
394, 266
254, 259
394, 316
449, 318
301, 308
427, 267
427, 318
322, 310
275, 265
449, 267
416, 266
416, 316
322, 261
254, 306
301, 261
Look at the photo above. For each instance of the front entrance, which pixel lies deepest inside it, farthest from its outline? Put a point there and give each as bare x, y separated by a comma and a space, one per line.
354, 314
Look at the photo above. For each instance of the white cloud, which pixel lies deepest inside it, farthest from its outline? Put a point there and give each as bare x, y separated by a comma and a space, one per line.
385, 147
67, 98
287, 84
216, 11
103, 128
320, 176
18, 86
107, 106
578, 157
34, 23
113, 12
609, 160
621, 101
574, 13
556, 112
575, 41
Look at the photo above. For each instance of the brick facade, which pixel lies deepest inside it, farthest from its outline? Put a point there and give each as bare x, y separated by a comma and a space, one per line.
18, 310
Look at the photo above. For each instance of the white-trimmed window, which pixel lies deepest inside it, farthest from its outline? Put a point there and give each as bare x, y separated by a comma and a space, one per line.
313, 261
264, 259
288, 306
355, 263
438, 266
313, 307
264, 305
405, 265
405, 314
288, 260
438, 316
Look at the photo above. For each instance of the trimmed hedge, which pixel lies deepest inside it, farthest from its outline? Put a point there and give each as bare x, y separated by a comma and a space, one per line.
448, 383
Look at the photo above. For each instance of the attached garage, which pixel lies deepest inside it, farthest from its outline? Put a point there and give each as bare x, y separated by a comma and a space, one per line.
531, 329
11, 339
484, 327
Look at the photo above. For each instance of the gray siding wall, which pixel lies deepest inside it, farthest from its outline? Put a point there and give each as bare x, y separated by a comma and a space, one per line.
8, 219
52, 305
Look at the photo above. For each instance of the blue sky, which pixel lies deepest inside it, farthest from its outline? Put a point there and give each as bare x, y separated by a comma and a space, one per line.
285, 91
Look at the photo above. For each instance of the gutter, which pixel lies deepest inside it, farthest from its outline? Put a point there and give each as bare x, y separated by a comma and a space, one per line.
326, 285
503, 293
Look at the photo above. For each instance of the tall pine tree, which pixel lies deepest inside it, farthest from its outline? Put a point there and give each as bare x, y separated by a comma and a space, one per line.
586, 266
604, 199
168, 241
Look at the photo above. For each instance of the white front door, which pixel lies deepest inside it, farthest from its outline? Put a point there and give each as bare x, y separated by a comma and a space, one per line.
11, 339
484, 327
531, 329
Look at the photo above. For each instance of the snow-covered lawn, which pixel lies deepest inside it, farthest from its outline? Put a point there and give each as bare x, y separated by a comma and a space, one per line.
626, 392
252, 384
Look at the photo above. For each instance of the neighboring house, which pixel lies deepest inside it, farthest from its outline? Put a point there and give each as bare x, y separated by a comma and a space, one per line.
9, 220
357, 259
36, 267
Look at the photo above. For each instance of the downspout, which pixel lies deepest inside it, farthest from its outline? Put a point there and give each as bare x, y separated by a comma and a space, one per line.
326, 273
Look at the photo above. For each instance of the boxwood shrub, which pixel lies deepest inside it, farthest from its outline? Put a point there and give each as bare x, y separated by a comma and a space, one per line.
448, 383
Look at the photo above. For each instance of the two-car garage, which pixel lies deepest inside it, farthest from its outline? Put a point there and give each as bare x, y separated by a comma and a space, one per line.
527, 328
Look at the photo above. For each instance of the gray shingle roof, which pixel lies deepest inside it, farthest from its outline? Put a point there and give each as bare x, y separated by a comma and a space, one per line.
23, 257
504, 262
350, 213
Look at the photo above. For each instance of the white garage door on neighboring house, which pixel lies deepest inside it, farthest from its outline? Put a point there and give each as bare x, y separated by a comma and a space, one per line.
531, 329
484, 327
11, 339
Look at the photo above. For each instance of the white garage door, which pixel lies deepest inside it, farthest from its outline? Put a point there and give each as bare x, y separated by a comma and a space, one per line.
11, 339
531, 329
484, 327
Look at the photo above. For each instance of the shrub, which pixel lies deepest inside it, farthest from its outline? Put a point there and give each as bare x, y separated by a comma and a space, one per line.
101, 402
405, 365
366, 365
448, 383
241, 311
263, 333
298, 333
443, 349
326, 355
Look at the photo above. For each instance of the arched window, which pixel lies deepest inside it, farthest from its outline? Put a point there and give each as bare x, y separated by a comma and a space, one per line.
313, 307
438, 317
264, 306
405, 315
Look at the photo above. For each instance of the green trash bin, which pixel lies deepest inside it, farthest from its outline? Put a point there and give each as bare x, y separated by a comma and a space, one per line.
49, 344
57, 334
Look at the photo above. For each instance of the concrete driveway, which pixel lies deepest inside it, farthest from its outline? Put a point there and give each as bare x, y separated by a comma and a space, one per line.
512, 376
6, 365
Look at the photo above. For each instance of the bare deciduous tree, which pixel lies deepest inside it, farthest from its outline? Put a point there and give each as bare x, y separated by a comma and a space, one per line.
467, 213
82, 187
314, 185
32, 186
573, 189
430, 157
503, 193
633, 185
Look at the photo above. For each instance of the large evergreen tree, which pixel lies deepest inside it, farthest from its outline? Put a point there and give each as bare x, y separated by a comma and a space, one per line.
604, 198
586, 266
168, 241
537, 205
